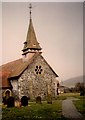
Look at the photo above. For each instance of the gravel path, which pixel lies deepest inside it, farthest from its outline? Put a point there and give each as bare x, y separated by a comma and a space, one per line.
69, 110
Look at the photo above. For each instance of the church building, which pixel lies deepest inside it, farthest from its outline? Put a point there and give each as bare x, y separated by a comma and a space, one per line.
31, 75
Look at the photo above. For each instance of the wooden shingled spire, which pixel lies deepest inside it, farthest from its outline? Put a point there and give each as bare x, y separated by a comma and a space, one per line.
31, 42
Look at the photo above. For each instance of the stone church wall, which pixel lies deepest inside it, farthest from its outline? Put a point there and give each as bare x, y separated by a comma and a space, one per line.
37, 80
14, 83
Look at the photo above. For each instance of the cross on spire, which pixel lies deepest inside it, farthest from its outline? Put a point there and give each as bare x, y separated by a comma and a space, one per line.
31, 44
30, 7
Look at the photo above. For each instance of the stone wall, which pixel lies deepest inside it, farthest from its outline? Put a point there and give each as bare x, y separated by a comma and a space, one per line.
37, 80
14, 84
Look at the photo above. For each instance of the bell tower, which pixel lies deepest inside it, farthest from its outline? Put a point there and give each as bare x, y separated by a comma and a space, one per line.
31, 44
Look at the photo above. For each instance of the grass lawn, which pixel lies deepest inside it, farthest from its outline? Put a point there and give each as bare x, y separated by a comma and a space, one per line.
35, 111
66, 95
80, 104
42, 111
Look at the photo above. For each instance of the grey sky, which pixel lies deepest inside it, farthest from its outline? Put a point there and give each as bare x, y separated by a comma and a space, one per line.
59, 30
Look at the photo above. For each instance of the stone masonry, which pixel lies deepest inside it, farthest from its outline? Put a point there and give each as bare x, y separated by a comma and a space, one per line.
37, 80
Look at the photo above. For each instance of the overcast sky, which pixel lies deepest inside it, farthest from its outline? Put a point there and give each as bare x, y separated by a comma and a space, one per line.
59, 30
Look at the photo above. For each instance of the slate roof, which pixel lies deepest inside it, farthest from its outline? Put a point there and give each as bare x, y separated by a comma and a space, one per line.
15, 68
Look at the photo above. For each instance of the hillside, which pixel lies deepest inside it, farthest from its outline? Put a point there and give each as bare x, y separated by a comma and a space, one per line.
72, 81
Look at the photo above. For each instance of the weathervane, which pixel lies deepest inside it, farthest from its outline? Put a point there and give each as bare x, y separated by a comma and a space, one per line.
30, 7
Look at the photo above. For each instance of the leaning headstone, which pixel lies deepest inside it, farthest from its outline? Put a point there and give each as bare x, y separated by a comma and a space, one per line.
24, 101
10, 102
38, 99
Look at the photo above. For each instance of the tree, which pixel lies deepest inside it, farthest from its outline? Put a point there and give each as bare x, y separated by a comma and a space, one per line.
77, 86
80, 87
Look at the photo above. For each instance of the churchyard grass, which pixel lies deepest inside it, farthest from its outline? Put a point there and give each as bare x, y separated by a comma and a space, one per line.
80, 104
42, 111
66, 95
35, 111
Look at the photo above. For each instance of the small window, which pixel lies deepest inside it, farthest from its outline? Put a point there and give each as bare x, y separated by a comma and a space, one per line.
38, 70
34, 44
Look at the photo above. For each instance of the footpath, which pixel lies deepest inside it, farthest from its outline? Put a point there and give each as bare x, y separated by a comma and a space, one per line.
69, 110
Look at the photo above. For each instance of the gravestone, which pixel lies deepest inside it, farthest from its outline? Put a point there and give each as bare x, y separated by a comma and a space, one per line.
10, 102
38, 99
49, 99
7, 95
24, 101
